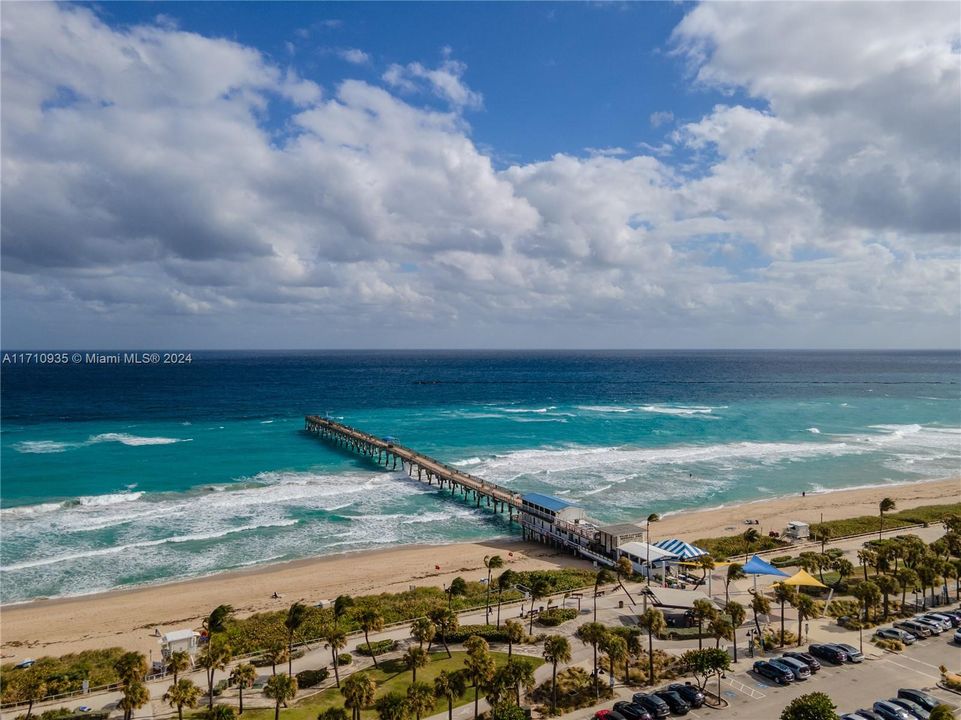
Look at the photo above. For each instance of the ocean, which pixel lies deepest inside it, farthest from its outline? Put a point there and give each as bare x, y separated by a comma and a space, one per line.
122, 475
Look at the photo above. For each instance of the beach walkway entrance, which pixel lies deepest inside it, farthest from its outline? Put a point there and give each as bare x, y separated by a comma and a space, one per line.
384, 451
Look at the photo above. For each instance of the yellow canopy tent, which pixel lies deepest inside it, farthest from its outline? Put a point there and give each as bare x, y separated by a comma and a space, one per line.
803, 577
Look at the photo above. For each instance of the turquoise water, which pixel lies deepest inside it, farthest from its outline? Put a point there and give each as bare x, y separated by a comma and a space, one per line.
128, 475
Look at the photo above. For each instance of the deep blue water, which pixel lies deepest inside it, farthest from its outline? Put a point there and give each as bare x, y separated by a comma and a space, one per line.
117, 475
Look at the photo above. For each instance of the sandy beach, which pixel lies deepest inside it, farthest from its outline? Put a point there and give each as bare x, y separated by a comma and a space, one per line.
129, 617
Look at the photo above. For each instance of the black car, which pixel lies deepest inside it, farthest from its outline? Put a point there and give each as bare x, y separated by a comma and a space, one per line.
678, 705
691, 693
869, 714
921, 698
773, 672
632, 711
653, 704
828, 652
807, 658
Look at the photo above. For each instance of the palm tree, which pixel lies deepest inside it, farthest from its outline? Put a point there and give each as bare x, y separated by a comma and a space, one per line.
280, 688
446, 621
276, 654
734, 610
31, 688
615, 647
735, 572
392, 706
131, 667
632, 641
703, 610
906, 578
603, 577
221, 712
420, 698
458, 586
336, 639
492, 563
342, 604
928, 575
867, 557
888, 585
505, 581
212, 658
539, 589
449, 685
332, 713
479, 664
705, 563
624, 568
423, 631
761, 606
414, 658
521, 673
844, 568
296, 616
358, 691
784, 594
217, 620
515, 633
720, 628
870, 595
749, 536
135, 695
557, 649
886, 505
370, 621
178, 662
823, 534
183, 693
806, 609
244, 676
592, 634
652, 620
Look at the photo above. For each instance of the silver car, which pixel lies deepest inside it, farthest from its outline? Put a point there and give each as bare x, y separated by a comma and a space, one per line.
801, 670
935, 626
896, 634
942, 620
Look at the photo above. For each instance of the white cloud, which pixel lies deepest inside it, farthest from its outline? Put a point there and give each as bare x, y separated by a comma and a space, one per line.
355, 56
662, 117
148, 196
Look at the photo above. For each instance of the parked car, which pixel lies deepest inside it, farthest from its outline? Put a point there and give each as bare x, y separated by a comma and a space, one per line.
608, 715
955, 616
914, 710
807, 658
869, 714
632, 711
936, 628
831, 653
889, 711
854, 655
691, 693
915, 628
800, 670
854, 716
943, 620
678, 705
24, 664
653, 704
896, 634
928, 702
771, 671
957, 636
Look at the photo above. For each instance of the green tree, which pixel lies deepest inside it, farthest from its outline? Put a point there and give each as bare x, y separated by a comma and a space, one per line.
392, 706
615, 647
183, 693
592, 634
135, 695
706, 564
358, 691
335, 637
370, 621
539, 589
705, 663
276, 654
807, 609
784, 594
941, 712
420, 698
214, 657
30, 687
521, 673
446, 622
479, 665
296, 617
750, 537
813, 706
735, 572
342, 605
624, 568
703, 611
450, 686
652, 620
492, 563
760, 605
505, 581
844, 568
281, 689
131, 667
243, 676
870, 595
888, 585
734, 610
907, 578
423, 631
458, 586
515, 633
867, 558
823, 534
415, 657
217, 620
886, 505
557, 649
603, 577
333, 713
720, 628
178, 662
220, 712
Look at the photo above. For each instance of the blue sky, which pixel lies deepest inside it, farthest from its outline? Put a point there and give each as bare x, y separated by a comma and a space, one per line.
246, 175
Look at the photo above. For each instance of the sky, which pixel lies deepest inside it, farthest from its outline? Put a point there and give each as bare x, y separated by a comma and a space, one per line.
480, 175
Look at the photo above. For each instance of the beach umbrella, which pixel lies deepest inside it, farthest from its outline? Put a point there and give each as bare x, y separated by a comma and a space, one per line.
803, 577
756, 566
681, 549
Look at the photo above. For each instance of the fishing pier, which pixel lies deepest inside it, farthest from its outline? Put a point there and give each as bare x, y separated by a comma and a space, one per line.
542, 518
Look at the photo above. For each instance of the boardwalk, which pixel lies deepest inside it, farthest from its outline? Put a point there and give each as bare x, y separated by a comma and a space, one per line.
388, 453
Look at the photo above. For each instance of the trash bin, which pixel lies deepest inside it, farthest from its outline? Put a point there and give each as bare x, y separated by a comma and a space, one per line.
620, 603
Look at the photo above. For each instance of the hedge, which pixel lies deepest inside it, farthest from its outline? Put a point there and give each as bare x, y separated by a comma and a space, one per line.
556, 616
345, 659
377, 648
311, 678
491, 633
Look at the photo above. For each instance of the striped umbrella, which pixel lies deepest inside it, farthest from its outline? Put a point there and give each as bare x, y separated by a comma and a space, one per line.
681, 549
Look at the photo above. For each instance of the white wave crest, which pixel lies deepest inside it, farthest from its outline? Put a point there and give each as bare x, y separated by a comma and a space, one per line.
467, 462
679, 410
814, 431
42, 447
134, 440
605, 408
110, 499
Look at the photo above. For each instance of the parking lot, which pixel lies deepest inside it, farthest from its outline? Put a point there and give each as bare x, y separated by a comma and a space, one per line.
850, 686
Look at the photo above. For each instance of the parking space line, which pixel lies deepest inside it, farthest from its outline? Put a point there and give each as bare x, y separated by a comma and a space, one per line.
920, 662
905, 667
749, 691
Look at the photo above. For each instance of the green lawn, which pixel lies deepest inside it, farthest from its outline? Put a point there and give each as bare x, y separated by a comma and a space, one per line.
392, 676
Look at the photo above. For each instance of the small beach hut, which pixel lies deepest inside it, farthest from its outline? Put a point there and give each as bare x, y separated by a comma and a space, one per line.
756, 566
680, 549
803, 578
798, 530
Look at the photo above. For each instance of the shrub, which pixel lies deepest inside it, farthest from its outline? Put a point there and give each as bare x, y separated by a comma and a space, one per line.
491, 633
575, 689
783, 561
721, 548
345, 659
66, 673
264, 662
377, 648
889, 644
311, 678
771, 639
556, 616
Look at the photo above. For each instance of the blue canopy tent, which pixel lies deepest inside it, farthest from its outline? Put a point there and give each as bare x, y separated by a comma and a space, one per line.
756, 566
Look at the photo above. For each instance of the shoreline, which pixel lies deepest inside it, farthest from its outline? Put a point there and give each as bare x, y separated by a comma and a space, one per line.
128, 616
